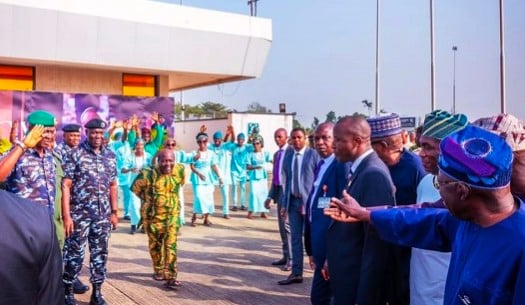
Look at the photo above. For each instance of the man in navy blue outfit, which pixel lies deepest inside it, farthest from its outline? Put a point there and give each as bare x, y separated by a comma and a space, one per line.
329, 181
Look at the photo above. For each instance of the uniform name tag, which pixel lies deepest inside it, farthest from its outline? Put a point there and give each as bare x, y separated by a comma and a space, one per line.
323, 202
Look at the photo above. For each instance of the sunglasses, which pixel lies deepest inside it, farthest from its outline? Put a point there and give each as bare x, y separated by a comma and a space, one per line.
202, 141
256, 143
171, 144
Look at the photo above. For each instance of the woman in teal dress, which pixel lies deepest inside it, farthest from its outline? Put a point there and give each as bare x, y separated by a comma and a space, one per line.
203, 167
133, 165
256, 166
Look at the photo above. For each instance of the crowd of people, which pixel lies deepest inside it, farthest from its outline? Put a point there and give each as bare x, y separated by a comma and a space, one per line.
382, 219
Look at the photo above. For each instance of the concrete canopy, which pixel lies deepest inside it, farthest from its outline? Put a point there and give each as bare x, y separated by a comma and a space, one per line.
191, 47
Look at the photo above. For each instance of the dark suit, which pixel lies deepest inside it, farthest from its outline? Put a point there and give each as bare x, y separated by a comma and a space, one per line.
276, 193
357, 257
294, 205
31, 271
316, 225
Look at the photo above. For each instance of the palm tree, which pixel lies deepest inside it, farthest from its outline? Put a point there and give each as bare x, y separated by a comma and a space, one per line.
368, 105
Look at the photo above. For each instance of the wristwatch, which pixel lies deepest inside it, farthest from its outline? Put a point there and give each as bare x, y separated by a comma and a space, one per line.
21, 144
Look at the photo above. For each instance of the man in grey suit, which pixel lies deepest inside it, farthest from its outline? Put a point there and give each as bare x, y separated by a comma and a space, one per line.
298, 167
357, 257
277, 191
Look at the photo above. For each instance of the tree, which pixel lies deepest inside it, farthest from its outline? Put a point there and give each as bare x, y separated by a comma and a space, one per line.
331, 117
217, 110
315, 123
256, 107
367, 105
296, 124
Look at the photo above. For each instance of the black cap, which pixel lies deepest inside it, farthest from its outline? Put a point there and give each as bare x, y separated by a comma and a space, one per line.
96, 123
71, 128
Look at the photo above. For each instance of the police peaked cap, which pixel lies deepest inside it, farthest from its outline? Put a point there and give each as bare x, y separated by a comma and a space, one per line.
71, 128
96, 123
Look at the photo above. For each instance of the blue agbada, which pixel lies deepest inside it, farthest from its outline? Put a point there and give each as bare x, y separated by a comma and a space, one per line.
487, 265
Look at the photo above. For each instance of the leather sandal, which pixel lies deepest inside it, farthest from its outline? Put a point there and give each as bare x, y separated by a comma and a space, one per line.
158, 277
173, 283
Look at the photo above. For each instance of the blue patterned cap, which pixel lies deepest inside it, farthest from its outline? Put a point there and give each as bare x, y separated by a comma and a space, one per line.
477, 157
241, 136
385, 126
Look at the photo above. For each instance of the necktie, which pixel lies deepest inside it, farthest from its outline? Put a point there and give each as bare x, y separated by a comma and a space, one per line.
314, 188
318, 169
349, 179
277, 168
295, 189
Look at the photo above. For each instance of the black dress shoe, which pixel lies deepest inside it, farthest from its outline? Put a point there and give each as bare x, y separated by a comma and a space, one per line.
280, 262
79, 287
292, 279
287, 267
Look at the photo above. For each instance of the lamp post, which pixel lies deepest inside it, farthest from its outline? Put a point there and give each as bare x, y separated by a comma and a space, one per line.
454, 49
377, 58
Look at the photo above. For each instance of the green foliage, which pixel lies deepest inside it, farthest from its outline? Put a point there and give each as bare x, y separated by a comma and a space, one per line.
208, 109
256, 107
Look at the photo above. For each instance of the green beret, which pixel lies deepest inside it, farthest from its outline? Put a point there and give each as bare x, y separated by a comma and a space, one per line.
41, 117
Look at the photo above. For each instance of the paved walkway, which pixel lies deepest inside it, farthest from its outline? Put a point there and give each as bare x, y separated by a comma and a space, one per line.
228, 263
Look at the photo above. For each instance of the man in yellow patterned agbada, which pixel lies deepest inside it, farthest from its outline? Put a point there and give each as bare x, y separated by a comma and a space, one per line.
158, 188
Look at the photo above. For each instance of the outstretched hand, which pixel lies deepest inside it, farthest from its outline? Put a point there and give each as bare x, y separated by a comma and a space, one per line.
34, 136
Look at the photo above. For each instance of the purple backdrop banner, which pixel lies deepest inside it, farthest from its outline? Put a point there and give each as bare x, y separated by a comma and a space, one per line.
80, 108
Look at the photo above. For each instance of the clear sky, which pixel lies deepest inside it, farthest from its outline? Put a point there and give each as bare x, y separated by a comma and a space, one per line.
322, 57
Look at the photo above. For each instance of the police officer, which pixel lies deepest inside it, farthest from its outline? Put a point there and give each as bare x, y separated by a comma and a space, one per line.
29, 168
89, 208
71, 139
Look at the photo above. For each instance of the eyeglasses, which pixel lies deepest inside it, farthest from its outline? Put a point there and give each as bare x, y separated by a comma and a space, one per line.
202, 141
256, 143
170, 144
438, 184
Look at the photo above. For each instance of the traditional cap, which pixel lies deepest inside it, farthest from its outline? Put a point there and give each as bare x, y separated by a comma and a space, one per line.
71, 128
439, 124
201, 136
477, 157
385, 126
506, 126
241, 136
258, 138
41, 117
217, 135
96, 123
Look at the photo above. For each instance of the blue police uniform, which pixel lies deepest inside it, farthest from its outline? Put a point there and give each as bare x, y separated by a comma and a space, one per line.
33, 178
62, 149
91, 174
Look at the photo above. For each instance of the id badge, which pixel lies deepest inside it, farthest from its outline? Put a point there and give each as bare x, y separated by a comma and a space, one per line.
323, 202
